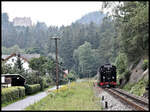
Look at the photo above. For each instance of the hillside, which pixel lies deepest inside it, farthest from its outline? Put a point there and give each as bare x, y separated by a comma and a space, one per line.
95, 17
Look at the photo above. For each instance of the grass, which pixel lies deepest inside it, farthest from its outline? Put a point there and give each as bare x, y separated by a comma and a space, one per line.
79, 96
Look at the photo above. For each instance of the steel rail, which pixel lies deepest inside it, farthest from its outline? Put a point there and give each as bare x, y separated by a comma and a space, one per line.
141, 100
133, 104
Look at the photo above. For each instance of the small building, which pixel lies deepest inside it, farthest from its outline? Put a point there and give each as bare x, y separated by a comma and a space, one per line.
25, 58
19, 21
8, 80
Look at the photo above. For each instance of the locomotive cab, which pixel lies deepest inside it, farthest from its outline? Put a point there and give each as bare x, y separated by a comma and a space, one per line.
107, 76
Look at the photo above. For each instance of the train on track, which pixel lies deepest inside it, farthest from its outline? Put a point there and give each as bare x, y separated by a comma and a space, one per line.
107, 76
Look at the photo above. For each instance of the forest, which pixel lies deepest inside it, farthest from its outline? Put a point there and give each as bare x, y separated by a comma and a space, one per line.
120, 39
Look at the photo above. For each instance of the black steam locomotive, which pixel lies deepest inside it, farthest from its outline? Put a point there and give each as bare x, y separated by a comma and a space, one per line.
107, 76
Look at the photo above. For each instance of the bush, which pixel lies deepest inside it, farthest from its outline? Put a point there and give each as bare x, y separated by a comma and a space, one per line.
140, 84
71, 77
21, 91
47, 85
31, 89
145, 64
43, 83
12, 93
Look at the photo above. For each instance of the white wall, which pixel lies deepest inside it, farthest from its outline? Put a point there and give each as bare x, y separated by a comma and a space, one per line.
9, 61
13, 60
26, 65
2, 79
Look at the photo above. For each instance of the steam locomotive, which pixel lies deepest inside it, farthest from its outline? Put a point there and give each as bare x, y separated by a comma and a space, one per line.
107, 76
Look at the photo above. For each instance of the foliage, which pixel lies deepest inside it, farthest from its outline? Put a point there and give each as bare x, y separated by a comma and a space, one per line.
43, 83
33, 50
12, 49
71, 76
42, 65
145, 64
31, 77
126, 75
134, 88
6, 68
85, 56
132, 27
125, 31
12, 93
31, 89
121, 63
36, 39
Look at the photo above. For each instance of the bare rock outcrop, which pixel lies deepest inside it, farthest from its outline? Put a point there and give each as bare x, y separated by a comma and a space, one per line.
137, 73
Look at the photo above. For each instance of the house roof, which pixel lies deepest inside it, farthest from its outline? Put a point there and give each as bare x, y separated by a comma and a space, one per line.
26, 57
11, 75
9, 56
4, 56
30, 56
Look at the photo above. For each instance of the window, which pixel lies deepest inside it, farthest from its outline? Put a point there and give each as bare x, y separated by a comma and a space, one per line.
12, 60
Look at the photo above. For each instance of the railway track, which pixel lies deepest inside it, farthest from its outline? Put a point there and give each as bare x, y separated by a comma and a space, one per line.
136, 102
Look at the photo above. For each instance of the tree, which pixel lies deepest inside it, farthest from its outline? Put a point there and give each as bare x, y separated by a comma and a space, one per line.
84, 55
121, 63
42, 65
5, 20
6, 68
132, 27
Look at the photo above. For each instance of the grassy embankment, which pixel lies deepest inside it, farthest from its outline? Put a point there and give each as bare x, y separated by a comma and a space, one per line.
77, 96
137, 88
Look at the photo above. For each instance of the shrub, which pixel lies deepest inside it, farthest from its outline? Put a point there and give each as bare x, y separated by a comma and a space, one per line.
145, 64
21, 91
140, 84
47, 85
31, 89
12, 93
42, 83
71, 77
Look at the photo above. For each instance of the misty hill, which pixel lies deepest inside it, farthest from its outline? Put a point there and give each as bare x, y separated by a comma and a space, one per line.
95, 17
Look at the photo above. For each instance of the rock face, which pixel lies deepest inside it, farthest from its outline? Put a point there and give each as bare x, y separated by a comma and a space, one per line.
137, 73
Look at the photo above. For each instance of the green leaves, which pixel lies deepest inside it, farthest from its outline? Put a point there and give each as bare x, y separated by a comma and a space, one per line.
145, 64
85, 57
121, 63
43, 66
133, 28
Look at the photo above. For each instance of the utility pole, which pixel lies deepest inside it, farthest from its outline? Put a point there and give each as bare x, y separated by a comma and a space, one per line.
57, 84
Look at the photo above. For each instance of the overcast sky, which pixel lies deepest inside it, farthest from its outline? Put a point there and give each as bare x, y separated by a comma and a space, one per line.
52, 13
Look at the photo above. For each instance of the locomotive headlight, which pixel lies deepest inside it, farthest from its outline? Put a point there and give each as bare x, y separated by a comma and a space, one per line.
113, 77
103, 77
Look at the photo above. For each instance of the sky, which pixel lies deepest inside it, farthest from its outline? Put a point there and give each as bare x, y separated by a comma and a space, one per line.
51, 13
